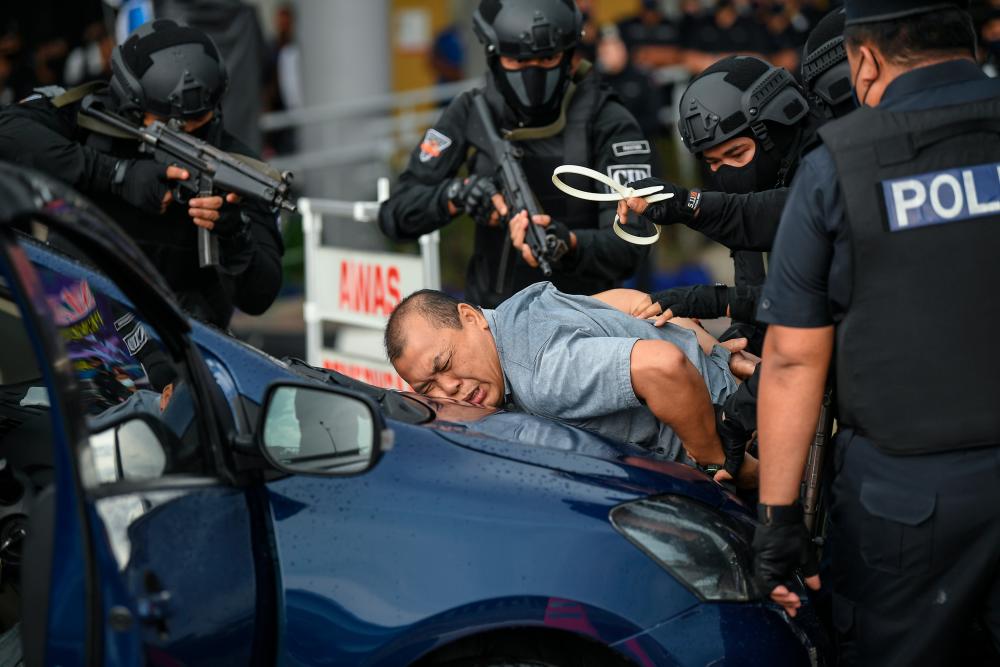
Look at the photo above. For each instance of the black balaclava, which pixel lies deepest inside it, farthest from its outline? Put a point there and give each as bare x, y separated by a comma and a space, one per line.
767, 169
534, 93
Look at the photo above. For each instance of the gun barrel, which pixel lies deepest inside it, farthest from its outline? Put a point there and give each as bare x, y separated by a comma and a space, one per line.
813, 478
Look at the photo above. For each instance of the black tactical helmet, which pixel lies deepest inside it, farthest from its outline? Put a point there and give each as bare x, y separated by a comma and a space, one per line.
526, 29
170, 70
737, 94
825, 70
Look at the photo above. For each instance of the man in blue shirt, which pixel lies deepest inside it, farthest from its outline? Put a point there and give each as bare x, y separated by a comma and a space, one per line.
582, 360
886, 247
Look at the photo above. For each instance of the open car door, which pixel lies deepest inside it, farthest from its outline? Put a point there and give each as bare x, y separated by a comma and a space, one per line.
137, 547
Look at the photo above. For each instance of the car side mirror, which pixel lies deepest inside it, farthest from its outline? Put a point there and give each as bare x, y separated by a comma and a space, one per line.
308, 429
129, 449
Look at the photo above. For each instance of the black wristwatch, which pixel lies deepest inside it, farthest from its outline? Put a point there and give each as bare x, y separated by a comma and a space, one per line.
710, 469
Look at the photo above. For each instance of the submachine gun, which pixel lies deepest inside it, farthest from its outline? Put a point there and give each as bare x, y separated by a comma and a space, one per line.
210, 169
516, 191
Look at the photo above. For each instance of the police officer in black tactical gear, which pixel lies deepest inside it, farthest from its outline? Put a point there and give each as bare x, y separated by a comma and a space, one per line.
173, 73
887, 252
556, 112
747, 120
748, 221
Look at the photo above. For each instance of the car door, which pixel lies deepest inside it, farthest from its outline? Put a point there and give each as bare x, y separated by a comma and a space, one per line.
144, 549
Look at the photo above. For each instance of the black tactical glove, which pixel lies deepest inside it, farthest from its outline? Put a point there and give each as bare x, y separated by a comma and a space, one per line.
702, 301
781, 545
558, 242
142, 183
232, 222
734, 438
710, 301
682, 207
473, 195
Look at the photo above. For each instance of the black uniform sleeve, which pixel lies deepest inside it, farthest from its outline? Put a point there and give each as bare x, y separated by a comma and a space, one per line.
34, 134
417, 206
621, 152
741, 222
253, 259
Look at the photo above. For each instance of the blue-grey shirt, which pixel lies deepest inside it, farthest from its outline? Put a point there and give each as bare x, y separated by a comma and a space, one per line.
568, 357
809, 271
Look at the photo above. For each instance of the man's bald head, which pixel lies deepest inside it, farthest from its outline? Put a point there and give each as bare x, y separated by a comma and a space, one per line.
437, 308
443, 347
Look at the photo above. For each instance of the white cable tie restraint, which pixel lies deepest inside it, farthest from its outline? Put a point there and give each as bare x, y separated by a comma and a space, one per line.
619, 192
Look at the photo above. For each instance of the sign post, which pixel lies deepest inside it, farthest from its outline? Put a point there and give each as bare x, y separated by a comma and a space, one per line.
358, 290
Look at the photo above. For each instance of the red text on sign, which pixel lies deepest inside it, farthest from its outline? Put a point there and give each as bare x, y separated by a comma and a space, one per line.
371, 289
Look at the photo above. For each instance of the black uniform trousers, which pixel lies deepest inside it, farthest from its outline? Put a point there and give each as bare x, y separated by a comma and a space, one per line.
915, 553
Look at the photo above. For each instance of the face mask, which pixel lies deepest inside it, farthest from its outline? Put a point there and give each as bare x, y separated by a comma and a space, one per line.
534, 86
534, 92
993, 48
759, 175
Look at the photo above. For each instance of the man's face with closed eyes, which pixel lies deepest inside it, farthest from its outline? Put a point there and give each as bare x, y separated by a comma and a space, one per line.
457, 363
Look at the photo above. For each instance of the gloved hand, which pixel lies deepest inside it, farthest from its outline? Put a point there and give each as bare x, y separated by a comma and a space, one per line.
781, 545
558, 241
702, 301
734, 440
143, 183
682, 207
232, 222
473, 195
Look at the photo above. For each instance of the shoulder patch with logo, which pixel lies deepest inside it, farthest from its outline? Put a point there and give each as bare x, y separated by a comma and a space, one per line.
433, 145
625, 148
623, 174
940, 197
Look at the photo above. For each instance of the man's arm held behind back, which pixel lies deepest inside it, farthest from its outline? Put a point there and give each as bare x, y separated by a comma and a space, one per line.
673, 390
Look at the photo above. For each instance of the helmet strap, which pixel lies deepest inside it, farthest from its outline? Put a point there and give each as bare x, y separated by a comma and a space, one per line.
762, 135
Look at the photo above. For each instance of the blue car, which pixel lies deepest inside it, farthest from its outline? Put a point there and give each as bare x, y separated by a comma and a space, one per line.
172, 496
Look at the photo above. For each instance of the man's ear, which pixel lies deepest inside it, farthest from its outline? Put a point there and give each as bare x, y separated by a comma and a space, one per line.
472, 316
870, 68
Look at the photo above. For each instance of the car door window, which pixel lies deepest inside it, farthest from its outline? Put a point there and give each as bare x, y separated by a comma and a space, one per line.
134, 393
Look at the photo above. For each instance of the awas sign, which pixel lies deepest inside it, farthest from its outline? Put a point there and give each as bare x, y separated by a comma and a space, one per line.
361, 289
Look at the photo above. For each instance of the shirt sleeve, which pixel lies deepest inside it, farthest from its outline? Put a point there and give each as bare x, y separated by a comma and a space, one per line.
796, 293
578, 376
623, 153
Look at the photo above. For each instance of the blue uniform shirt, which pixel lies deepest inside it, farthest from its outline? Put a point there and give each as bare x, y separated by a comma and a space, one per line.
809, 274
568, 357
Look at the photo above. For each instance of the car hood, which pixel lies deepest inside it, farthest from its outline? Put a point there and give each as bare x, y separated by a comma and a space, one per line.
551, 444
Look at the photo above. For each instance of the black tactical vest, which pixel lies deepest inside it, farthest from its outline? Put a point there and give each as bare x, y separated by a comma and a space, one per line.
914, 364
573, 145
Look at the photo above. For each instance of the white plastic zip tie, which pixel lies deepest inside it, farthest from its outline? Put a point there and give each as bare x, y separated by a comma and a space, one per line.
619, 193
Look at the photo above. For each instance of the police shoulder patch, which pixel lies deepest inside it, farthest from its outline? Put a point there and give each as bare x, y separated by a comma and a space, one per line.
941, 197
433, 145
623, 174
625, 148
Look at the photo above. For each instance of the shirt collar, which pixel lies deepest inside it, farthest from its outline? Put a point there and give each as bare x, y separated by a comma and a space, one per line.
491, 320
921, 79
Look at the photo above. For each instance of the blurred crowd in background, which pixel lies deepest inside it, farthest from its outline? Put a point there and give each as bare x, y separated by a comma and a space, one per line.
56, 42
